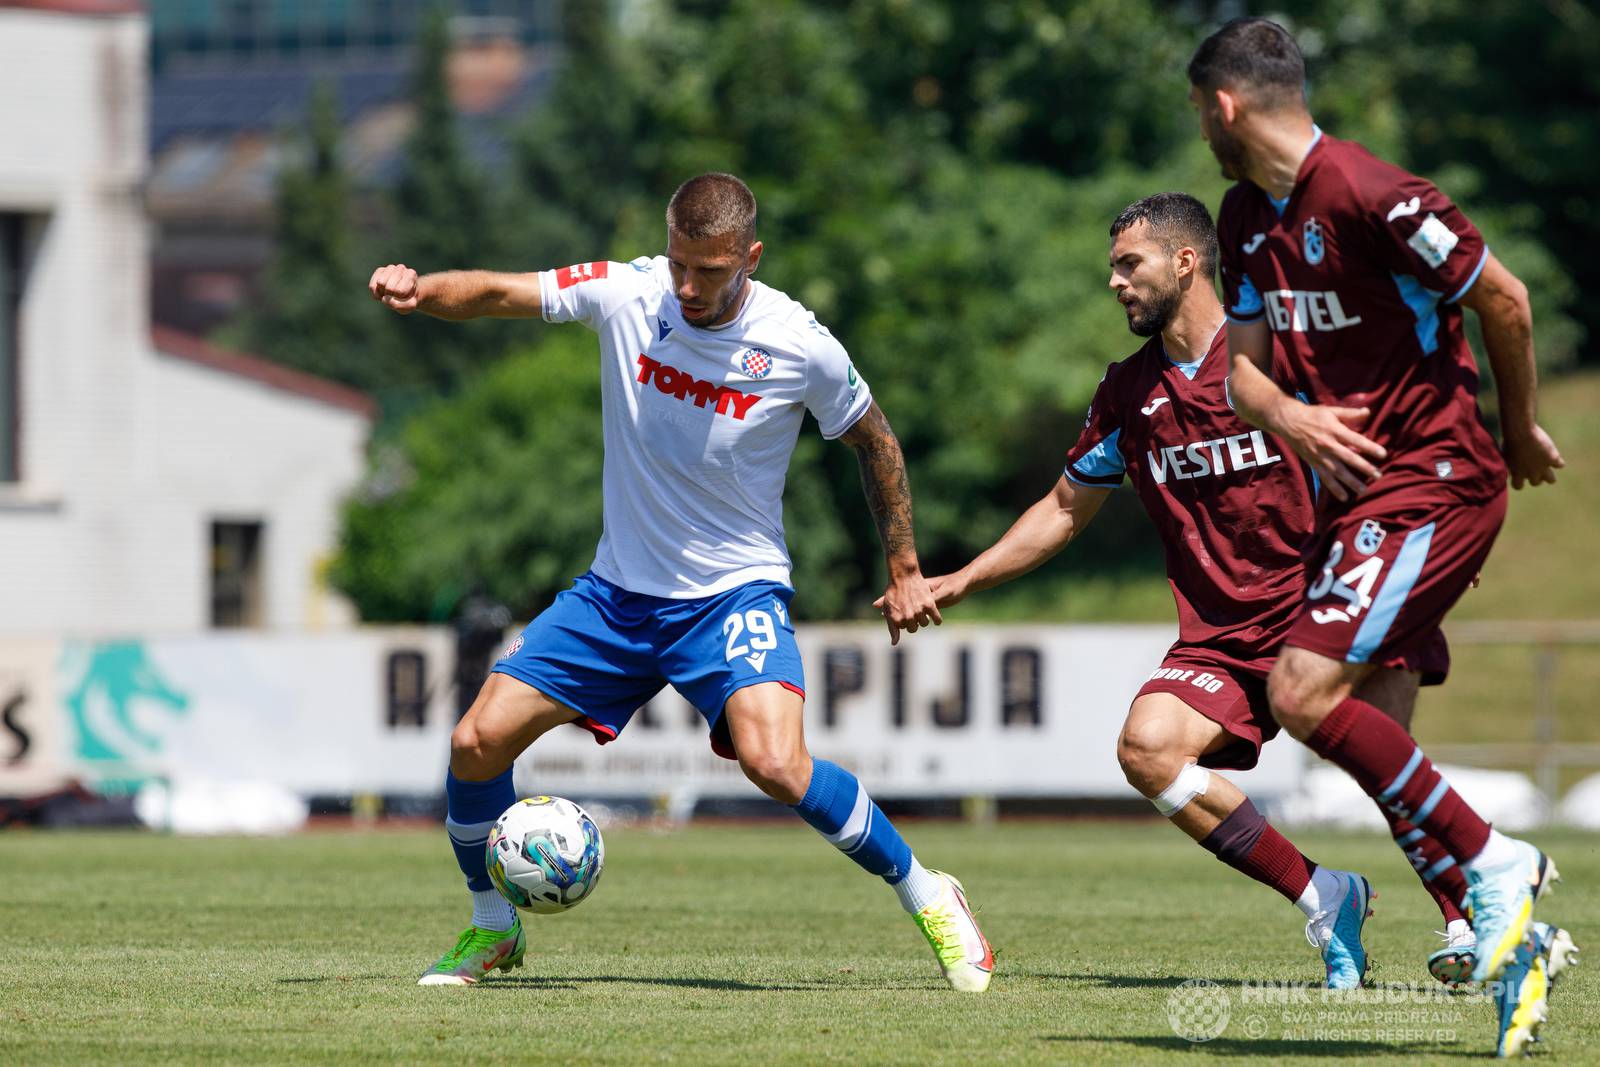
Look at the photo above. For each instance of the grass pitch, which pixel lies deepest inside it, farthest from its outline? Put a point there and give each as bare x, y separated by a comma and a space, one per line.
748, 944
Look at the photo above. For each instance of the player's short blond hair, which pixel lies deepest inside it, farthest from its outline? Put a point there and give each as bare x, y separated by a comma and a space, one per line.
713, 205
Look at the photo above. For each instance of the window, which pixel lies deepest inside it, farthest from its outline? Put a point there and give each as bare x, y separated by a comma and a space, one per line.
236, 574
11, 262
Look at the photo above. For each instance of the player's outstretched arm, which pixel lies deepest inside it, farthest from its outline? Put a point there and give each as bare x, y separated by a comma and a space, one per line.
908, 603
1041, 532
457, 294
1501, 301
1322, 435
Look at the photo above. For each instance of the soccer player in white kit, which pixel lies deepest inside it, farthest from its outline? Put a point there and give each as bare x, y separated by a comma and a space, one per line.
706, 375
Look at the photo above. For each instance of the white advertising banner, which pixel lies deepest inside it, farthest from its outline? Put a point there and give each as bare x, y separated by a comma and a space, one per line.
32, 749
365, 710
960, 710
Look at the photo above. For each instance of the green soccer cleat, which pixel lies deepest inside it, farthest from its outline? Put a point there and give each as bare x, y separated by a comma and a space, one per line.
948, 924
477, 952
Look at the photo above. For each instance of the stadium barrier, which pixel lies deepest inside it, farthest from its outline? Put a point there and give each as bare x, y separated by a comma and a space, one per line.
963, 712
1549, 646
956, 712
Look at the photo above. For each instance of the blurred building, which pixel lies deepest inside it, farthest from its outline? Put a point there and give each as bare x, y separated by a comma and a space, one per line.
230, 79
148, 482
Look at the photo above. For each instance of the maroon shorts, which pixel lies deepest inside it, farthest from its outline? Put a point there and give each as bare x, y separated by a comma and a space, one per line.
1383, 576
1230, 692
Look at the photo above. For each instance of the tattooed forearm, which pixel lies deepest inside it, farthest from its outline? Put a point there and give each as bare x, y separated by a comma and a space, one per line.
883, 477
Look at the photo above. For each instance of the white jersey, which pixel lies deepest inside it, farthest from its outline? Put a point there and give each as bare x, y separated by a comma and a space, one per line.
699, 424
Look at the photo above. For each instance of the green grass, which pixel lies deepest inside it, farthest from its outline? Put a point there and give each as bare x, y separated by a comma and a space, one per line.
706, 946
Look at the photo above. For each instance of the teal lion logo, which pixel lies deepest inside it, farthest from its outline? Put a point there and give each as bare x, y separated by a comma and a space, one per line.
106, 683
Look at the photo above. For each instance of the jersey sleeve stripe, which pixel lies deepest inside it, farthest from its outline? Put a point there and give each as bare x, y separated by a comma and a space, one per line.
1101, 465
1074, 475
1472, 280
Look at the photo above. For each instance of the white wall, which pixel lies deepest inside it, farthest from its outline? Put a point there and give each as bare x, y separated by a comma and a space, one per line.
127, 455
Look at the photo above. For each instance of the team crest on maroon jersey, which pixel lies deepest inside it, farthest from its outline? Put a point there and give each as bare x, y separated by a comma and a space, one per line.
755, 363
1370, 537
1311, 237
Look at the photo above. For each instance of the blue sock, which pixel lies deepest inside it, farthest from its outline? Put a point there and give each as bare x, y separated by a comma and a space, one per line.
839, 809
472, 808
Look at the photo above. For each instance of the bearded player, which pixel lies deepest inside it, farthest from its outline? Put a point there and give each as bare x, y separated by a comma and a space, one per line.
706, 375
1234, 509
1360, 270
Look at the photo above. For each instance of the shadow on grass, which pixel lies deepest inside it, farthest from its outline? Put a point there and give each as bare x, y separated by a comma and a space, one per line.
1273, 1048
534, 981
1114, 981
574, 982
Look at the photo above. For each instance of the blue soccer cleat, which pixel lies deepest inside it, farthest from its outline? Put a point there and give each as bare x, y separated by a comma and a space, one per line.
1500, 903
1556, 947
1336, 932
1521, 997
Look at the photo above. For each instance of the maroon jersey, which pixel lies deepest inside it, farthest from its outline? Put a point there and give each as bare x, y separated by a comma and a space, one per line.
1357, 274
1232, 503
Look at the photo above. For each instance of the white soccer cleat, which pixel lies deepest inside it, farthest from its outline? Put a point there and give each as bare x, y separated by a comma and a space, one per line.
963, 953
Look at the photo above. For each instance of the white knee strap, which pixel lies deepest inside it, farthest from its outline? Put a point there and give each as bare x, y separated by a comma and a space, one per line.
1191, 782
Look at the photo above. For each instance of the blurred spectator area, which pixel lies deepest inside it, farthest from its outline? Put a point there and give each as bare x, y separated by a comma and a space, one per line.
231, 77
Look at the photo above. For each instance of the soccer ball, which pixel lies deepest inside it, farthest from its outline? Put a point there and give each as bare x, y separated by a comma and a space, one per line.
545, 854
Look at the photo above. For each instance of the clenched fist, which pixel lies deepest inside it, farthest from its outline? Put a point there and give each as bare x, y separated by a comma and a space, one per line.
395, 286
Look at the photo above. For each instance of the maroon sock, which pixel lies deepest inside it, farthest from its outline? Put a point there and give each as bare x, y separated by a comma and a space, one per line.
1383, 759
1440, 873
1246, 842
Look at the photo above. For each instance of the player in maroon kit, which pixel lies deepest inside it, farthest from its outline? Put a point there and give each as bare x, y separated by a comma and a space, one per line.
1359, 269
1234, 508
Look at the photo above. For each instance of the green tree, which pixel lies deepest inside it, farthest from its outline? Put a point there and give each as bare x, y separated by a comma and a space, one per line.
496, 489
441, 221
936, 181
307, 315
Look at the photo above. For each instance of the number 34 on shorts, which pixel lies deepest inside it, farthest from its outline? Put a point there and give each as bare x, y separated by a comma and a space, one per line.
1345, 584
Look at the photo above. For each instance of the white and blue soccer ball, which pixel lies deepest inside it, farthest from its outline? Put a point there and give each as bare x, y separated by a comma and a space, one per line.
545, 854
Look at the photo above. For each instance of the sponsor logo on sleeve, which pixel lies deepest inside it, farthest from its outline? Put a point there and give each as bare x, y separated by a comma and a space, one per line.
852, 379
567, 277
1311, 237
1433, 241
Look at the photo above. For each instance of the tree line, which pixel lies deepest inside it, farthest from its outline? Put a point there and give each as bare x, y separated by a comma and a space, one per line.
935, 182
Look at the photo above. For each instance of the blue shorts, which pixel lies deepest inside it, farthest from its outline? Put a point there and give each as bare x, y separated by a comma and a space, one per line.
604, 652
